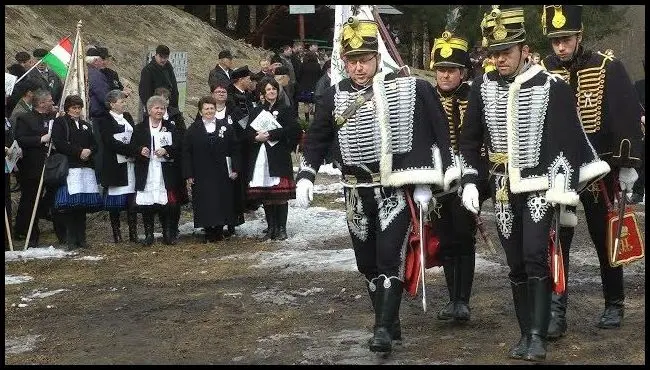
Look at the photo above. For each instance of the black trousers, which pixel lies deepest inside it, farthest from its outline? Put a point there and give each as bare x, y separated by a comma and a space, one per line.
28, 188
378, 222
596, 214
523, 225
455, 226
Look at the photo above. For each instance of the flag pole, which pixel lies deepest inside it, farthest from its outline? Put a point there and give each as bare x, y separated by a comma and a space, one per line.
49, 150
70, 67
388, 41
8, 227
39, 62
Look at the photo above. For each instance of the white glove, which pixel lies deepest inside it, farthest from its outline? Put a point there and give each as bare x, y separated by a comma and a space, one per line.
304, 192
470, 198
422, 196
627, 177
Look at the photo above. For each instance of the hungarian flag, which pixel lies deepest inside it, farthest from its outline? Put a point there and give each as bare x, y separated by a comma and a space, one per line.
59, 57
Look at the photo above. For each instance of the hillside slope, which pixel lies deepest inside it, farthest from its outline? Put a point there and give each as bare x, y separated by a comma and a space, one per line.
128, 31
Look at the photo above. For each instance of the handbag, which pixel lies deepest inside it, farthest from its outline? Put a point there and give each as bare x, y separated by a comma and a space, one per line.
412, 268
631, 246
56, 166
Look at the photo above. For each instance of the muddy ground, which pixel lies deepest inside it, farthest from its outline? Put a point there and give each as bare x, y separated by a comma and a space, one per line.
196, 303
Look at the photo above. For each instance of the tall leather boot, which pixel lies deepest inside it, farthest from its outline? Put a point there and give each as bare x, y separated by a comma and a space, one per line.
539, 300
389, 297
396, 328
520, 299
115, 226
81, 230
71, 231
449, 267
270, 220
281, 212
612, 279
465, 274
163, 216
147, 222
174, 219
132, 221
557, 322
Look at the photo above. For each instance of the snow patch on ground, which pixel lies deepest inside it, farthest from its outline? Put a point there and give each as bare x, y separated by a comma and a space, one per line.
38, 253
17, 279
20, 344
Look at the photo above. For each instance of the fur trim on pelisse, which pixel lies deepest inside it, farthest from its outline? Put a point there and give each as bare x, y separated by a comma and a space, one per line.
386, 155
592, 171
418, 177
452, 174
567, 218
560, 196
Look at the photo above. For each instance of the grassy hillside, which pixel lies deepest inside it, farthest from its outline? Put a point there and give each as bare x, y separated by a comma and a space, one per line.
128, 31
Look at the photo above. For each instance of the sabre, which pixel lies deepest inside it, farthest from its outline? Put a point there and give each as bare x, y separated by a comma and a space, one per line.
422, 268
481, 229
621, 213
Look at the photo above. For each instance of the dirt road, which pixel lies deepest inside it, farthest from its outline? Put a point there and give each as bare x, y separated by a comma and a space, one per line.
301, 301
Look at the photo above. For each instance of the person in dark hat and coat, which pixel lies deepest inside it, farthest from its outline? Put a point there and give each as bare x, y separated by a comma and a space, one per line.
223, 70
158, 73
382, 153
455, 225
45, 77
610, 114
540, 159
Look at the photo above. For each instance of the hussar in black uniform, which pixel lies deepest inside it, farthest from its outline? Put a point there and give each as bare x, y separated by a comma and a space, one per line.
541, 159
455, 225
383, 133
610, 115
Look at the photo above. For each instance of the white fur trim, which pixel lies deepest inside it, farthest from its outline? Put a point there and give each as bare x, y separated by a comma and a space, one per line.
452, 174
567, 218
561, 196
418, 177
592, 171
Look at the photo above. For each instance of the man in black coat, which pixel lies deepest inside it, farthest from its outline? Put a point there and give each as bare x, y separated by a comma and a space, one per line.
46, 77
223, 70
158, 73
33, 137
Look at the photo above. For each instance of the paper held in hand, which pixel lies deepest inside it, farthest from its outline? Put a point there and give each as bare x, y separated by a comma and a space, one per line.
265, 121
124, 137
162, 139
12, 156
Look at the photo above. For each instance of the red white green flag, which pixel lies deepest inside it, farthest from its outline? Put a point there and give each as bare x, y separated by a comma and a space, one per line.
58, 59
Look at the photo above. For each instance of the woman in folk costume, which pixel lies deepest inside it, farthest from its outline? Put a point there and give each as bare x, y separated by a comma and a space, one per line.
541, 159
156, 178
73, 137
211, 163
118, 175
388, 134
175, 118
270, 176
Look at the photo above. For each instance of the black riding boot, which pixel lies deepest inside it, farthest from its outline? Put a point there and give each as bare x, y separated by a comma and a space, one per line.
132, 221
396, 328
386, 313
115, 226
465, 274
450, 267
520, 299
163, 216
269, 214
612, 279
81, 230
174, 219
281, 212
539, 301
557, 323
147, 222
